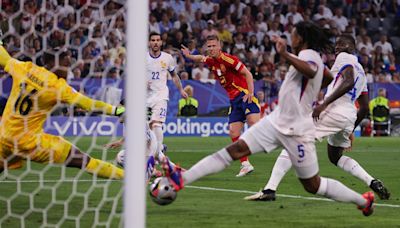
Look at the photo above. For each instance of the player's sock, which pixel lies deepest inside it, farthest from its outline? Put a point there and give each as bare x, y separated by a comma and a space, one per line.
104, 169
335, 190
213, 163
157, 129
351, 166
243, 159
281, 167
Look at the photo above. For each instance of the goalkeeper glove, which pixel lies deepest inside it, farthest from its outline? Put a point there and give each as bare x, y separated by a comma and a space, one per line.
119, 111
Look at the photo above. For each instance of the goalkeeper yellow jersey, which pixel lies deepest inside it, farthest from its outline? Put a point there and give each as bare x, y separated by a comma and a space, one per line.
35, 92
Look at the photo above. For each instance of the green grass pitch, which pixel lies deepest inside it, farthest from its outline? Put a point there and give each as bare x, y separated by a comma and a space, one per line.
214, 201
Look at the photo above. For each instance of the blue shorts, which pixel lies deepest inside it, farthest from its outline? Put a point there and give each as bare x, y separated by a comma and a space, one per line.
239, 109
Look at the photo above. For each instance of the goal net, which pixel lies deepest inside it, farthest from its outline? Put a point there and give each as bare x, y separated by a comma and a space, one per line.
93, 35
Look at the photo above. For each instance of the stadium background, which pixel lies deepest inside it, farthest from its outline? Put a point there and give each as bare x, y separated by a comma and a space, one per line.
93, 34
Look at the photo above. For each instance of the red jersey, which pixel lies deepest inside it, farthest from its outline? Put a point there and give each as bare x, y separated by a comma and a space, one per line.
226, 68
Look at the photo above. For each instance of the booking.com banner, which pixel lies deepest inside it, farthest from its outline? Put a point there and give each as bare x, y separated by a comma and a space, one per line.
110, 126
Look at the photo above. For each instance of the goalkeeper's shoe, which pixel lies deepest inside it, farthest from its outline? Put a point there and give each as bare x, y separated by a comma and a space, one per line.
174, 173
264, 195
380, 189
368, 208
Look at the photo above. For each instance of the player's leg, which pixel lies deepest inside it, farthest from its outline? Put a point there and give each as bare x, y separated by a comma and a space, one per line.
336, 145
237, 117
234, 132
303, 155
55, 149
256, 139
281, 167
158, 117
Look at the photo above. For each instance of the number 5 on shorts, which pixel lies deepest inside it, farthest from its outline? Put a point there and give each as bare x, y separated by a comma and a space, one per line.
300, 149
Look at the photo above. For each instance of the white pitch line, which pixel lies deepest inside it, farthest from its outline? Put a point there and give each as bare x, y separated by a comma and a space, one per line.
198, 187
280, 195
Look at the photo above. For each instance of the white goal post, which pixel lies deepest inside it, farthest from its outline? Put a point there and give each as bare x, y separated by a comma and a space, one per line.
134, 191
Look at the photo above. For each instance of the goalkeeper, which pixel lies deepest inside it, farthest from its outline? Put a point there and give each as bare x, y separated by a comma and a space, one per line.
35, 92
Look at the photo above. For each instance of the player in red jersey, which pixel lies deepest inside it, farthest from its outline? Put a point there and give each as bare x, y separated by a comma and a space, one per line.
238, 83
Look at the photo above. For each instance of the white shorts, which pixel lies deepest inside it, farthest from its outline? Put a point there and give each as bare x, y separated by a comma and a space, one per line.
158, 110
337, 131
264, 137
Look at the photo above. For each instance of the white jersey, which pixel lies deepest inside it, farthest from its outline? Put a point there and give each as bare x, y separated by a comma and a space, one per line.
344, 106
158, 69
296, 98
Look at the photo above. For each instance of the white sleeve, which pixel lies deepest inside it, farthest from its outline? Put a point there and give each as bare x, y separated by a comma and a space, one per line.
172, 64
344, 61
365, 88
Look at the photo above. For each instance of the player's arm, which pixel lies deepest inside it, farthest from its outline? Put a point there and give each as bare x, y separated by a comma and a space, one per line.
178, 84
346, 85
4, 56
327, 78
72, 97
308, 69
363, 109
250, 84
196, 58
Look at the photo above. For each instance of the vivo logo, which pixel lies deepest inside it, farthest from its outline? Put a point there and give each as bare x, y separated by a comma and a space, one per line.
85, 128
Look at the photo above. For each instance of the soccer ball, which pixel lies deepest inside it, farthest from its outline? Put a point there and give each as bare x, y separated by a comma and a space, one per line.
162, 192
120, 158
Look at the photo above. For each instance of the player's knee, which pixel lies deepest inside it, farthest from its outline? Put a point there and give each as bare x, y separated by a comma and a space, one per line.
311, 185
311, 189
334, 154
155, 124
238, 149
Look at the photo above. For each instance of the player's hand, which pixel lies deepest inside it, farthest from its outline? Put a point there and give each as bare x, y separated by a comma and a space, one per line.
185, 50
248, 98
348, 149
114, 145
317, 111
280, 44
184, 94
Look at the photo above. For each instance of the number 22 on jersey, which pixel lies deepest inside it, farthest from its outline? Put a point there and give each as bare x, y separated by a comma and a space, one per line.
155, 75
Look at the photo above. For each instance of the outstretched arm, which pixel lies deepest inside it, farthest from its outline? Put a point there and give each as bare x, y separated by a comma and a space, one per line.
343, 88
178, 84
196, 58
306, 68
72, 97
4, 56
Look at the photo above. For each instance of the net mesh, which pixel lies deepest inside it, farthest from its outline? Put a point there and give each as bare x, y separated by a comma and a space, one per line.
92, 33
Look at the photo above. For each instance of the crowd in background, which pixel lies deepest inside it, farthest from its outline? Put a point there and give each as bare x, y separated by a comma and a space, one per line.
92, 32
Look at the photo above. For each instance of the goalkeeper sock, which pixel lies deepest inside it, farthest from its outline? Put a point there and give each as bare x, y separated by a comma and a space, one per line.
213, 163
104, 169
281, 167
351, 166
335, 190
